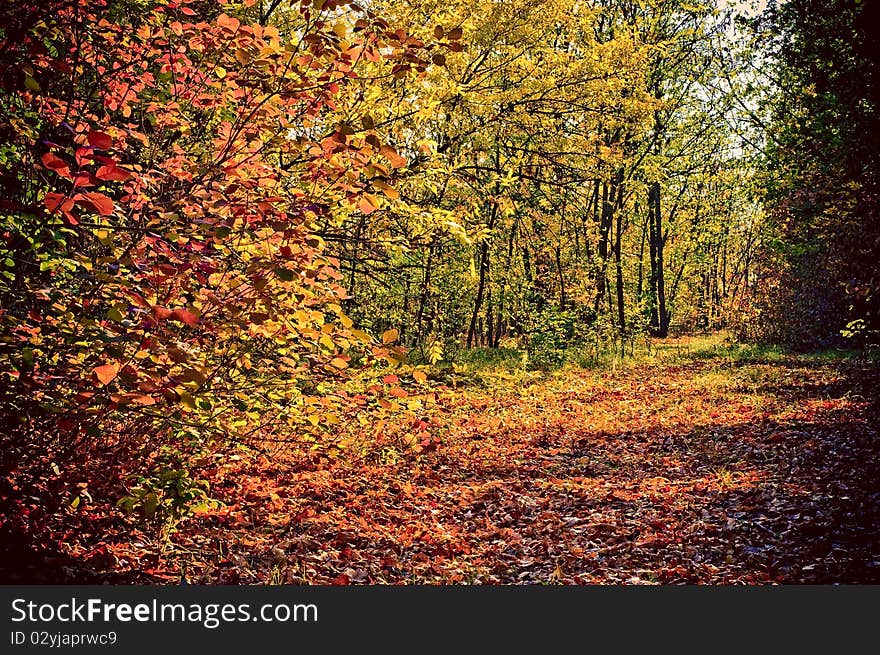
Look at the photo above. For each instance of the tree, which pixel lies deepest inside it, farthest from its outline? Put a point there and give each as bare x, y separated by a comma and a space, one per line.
164, 168
821, 187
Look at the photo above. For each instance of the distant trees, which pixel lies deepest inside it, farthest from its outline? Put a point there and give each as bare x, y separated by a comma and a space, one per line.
572, 178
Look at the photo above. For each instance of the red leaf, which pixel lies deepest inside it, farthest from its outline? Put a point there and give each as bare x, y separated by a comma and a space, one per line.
55, 163
185, 316
138, 298
161, 313
83, 156
112, 173
106, 373
82, 180
54, 201
59, 202
100, 140
101, 203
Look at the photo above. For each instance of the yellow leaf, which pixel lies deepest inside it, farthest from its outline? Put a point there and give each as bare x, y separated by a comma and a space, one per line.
361, 335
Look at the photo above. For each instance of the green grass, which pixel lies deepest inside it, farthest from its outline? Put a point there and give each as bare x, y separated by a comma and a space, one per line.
508, 359
488, 366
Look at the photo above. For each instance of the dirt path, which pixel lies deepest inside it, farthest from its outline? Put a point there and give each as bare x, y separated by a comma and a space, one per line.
701, 471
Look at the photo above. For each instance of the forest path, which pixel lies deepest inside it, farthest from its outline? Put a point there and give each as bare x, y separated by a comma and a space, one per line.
692, 467
703, 469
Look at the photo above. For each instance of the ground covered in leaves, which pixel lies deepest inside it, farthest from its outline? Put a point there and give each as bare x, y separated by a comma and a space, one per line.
695, 467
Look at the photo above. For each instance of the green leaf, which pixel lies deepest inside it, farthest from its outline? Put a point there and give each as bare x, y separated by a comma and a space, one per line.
151, 504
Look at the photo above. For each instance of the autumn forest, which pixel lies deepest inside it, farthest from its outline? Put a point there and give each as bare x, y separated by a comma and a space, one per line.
403, 292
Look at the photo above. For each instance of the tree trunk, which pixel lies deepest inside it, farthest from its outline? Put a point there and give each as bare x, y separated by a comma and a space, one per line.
423, 298
474, 330
659, 313
481, 290
604, 230
502, 296
621, 317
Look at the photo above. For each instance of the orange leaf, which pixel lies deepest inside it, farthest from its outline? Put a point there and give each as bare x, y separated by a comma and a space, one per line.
366, 205
228, 23
393, 157
419, 376
106, 373
390, 336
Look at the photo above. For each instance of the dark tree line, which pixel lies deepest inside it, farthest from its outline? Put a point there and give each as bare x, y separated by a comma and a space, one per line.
823, 273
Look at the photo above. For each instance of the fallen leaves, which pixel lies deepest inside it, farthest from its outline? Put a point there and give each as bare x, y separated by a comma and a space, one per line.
633, 477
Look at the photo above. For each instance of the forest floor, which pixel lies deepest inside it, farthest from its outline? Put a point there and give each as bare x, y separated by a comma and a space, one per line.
697, 465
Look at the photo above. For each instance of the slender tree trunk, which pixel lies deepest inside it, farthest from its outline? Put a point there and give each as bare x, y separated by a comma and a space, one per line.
423, 298
490, 318
659, 313
640, 279
474, 330
349, 303
604, 229
562, 299
502, 297
618, 263
481, 290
